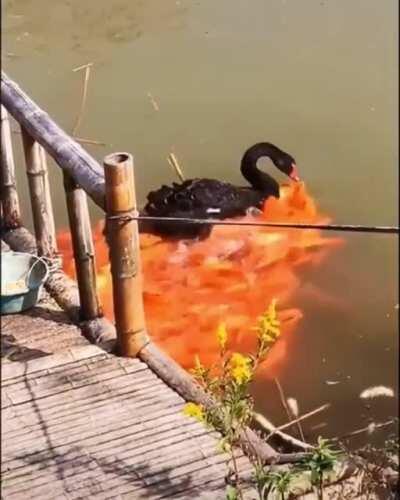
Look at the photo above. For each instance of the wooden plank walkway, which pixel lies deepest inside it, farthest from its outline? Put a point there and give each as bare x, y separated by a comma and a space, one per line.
41, 331
85, 424
78, 422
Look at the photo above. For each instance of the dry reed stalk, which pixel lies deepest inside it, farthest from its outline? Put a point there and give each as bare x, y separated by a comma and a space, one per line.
369, 428
172, 160
84, 96
260, 419
153, 102
89, 141
82, 67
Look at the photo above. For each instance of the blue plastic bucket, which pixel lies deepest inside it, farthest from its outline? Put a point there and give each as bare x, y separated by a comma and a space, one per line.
22, 276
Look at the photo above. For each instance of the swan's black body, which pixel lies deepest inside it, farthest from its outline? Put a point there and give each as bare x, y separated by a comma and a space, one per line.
210, 198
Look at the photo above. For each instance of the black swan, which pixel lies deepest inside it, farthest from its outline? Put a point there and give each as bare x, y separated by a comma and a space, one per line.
210, 198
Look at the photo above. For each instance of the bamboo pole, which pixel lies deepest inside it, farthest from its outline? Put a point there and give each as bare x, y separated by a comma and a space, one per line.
39, 189
82, 243
69, 155
11, 215
123, 240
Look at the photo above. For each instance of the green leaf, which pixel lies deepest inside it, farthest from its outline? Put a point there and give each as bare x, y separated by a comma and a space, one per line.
231, 493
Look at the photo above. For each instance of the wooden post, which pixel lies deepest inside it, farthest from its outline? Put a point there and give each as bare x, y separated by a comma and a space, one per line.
11, 216
123, 238
82, 243
42, 210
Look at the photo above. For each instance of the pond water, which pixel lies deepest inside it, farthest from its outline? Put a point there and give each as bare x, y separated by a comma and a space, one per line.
317, 77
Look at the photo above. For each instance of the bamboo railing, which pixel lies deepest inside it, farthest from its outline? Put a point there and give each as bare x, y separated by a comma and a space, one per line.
112, 188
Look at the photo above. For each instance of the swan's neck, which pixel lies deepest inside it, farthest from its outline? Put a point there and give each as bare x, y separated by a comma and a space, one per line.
258, 179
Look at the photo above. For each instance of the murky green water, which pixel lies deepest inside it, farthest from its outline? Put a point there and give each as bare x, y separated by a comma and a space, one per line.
317, 77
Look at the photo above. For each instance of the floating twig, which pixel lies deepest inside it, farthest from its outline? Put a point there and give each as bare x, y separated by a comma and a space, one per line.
261, 420
288, 412
89, 141
82, 67
270, 427
369, 428
153, 102
172, 160
84, 96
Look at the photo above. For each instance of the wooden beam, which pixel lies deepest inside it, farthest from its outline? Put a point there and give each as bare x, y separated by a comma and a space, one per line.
69, 155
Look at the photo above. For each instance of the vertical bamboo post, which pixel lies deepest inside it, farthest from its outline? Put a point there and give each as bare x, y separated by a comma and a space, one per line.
39, 189
82, 243
11, 216
123, 238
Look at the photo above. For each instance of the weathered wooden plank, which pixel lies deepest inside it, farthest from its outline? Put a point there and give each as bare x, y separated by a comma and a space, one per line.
76, 372
161, 428
89, 431
72, 407
32, 391
167, 485
117, 438
35, 422
124, 472
36, 376
57, 360
106, 382
141, 462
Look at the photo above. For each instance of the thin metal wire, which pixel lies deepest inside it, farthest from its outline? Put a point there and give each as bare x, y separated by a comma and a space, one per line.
282, 225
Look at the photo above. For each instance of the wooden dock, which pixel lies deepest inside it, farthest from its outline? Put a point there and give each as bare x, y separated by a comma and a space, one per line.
82, 423
79, 422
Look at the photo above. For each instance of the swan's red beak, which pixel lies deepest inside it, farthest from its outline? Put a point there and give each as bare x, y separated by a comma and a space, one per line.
294, 174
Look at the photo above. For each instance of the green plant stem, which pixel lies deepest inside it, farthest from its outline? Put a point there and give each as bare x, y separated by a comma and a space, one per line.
235, 468
320, 488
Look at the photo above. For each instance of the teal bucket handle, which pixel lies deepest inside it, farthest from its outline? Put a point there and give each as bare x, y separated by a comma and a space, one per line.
43, 260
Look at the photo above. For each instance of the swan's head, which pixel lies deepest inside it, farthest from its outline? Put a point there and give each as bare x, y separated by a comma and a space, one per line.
286, 164
282, 161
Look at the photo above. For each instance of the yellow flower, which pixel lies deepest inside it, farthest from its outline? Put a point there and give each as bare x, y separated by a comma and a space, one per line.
238, 359
222, 335
272, 310
240, 368
197, 363
193, 410
269, 324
